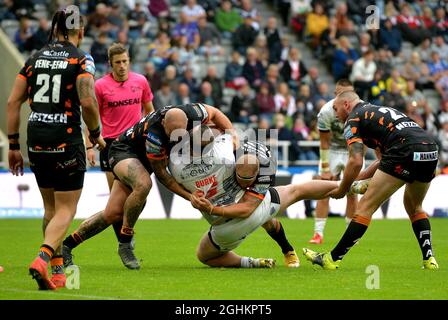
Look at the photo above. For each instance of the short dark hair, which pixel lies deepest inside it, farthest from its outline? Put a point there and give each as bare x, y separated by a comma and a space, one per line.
115, 49
344, 83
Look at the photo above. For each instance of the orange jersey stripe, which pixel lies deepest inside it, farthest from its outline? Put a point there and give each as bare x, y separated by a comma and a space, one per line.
21, 76
352, 140
84, 75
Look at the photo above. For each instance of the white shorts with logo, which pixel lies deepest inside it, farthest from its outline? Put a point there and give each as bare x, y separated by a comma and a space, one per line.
229, 235
338, 159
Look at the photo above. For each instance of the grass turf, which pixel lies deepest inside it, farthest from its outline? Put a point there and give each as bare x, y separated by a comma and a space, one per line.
170, 269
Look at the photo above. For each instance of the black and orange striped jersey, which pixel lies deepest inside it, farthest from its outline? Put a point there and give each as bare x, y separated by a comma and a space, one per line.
148, 135
51, 74
383, 128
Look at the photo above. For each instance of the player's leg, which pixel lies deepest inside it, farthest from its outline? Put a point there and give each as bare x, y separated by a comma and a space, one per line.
315, 189
97, 222
350, 208
210, 254
275, 229
414, 195
56, 262
381, 187
44, 257
320, 219
134, 175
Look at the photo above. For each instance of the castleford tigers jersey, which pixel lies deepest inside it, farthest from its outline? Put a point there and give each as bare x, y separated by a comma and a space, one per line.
148, 135
213, 173
383, 127
51, 74
268, 165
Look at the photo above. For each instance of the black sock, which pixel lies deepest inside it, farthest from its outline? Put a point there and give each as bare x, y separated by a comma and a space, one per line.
126, 234
46, 252
353, 233
280, 237
73, 240
422, 230
117, 228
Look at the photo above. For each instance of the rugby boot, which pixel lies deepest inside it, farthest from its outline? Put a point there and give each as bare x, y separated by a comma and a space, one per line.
39, 271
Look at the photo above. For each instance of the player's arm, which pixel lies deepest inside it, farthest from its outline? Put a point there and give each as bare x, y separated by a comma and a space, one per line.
17, 97
222, 122
85, 86
352, 169
159, 168
324, 151
370, 170
243, 209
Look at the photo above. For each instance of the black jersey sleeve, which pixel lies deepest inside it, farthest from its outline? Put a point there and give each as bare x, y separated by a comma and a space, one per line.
352, 128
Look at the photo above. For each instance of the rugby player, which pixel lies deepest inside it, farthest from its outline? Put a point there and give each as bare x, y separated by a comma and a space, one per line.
133, 156
123, 97
409, 157
57, 81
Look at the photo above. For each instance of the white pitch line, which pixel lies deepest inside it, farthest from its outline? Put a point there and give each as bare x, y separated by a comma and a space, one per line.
60, 294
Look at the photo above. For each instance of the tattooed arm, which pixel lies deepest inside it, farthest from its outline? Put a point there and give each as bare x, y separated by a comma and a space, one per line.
352, 169
159, 168
85, 86
242, 209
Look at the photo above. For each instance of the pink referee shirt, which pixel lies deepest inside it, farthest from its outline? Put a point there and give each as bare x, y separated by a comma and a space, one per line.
120, 103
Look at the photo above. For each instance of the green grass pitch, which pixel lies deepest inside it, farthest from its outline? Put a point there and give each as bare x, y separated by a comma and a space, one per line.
170, 269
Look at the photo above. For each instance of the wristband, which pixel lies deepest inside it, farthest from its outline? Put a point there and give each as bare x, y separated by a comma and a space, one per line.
13, 136
14, 146
88, 148
324, 160
95, 133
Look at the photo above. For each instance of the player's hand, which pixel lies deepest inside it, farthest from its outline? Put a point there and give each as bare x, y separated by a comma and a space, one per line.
99, 142
15, 162
337, 193
201, 204
91, 157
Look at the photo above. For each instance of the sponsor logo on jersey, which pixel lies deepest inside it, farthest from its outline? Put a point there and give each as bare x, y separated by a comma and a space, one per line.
264, 179
52, 53
47, 64
90, 66
348, 134
121, 103
152, 148
406, 124
205, 182
426, 156
193, 169
154, 139
48, 117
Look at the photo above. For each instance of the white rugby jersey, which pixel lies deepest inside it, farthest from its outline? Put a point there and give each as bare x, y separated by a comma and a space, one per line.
213, 173
327, 122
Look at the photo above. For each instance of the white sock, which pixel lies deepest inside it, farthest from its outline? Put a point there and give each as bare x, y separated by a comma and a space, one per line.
249, 262
347, 221
319, 225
